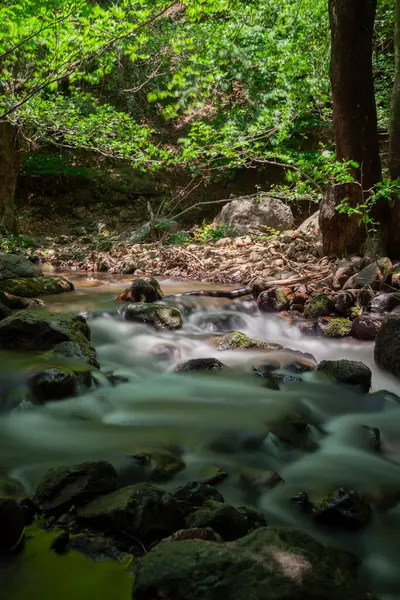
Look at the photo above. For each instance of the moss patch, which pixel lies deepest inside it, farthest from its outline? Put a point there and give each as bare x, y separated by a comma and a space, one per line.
337, 328
239, 341
36, 286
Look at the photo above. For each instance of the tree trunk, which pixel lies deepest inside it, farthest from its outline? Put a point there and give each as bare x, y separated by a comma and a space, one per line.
394, 143
341, 235
354, 118
10, 162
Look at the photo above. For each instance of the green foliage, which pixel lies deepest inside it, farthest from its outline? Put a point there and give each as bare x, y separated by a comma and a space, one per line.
51, 164
16, 243
207, 233
181, 238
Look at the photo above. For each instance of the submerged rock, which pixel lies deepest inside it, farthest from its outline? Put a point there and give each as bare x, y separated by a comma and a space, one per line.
271, 562
200, 364
40, 330
15, 266
140, 510
349, 372
387, 345
229, 522
240, 341
336, 328
63, 487
36, 286
158, 316
58, 383
12, 524
194, 494
144, 289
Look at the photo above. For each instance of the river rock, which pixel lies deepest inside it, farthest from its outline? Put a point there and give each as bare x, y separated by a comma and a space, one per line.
14, 266
194, 494
240, 341
349, 372
58, 383
387, 345
250, 214
162, 318
336, 328
195, 533
4, 311
228, 522
36, 286
271, 562
342, 509
144, 289
34, 329
154, 467
319, 305
372, 275
200, 364
343, 302
384, 303
18, 303
275, 300
63, 487
12, 524
141, 510
365, 328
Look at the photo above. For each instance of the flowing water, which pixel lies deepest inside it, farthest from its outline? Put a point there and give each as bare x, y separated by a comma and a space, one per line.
155, 407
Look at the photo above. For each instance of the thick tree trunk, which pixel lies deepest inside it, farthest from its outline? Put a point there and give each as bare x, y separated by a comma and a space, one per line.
354, 118
394, 144
10, 162
341, 235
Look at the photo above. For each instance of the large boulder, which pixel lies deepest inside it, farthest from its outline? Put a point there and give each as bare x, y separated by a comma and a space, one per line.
271, 562
63, 487
33, 329
36, 286
15, 266
162, 318
387, 345
254, 214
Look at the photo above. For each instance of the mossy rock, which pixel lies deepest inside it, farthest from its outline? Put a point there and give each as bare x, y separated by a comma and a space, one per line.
348, 372
342, 509
57, 383
195, 494
229, 522
271, 562
162, 318
275, 300
35, 329
239, 341
387, 345
141, 510
63, 487
18, 303
319, 305
36, 286
155, 467
337, 328
4, 311
15, 265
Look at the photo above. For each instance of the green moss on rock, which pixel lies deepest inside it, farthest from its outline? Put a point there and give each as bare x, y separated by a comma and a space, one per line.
36, 286
349, 372
229, 522
337, 328
239, 341
35, 329
319, 305
158, 316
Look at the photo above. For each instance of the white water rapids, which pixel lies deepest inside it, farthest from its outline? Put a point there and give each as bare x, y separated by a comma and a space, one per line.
156, 407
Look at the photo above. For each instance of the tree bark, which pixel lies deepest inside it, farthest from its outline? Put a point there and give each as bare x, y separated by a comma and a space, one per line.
394, 144
342, 235
10, 162
354, 119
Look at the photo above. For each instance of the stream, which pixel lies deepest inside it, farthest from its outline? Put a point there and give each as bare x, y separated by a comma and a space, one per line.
155, 406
